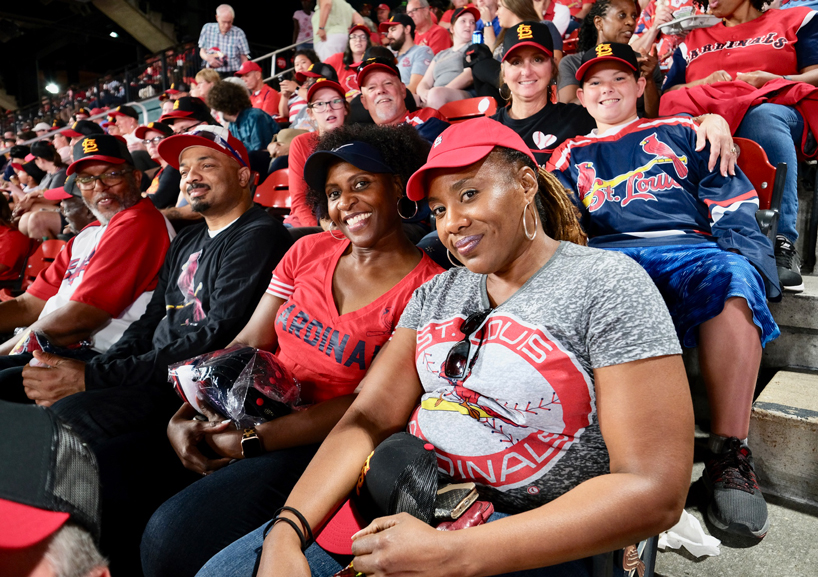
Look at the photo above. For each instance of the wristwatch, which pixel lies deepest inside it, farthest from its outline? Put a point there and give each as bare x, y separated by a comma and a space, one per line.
251, 443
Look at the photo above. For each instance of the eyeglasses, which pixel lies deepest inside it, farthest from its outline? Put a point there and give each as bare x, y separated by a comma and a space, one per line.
410, 12
361, 37
189, 128
154, 140
457, 365
107, 178
321, 106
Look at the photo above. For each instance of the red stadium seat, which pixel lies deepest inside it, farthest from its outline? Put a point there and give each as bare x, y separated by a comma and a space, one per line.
39, 260
274, 192
768, 180
569, 45
461, 110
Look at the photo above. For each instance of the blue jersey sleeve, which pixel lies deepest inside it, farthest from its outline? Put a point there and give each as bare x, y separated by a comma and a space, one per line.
676, 74
806, 49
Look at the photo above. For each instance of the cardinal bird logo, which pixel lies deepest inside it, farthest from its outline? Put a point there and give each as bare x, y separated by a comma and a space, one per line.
585, 178
659, 149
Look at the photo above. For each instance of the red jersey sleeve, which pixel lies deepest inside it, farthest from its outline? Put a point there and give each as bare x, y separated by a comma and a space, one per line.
300, 149
48, 281
439, 39
126, 261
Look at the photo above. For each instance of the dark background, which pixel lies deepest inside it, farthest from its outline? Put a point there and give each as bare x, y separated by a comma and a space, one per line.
68, 41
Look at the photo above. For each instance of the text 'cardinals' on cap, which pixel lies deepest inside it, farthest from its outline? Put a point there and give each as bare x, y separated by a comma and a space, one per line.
359, 154
397, 19
48, 477
399, 476
247, 68
464, 144
216, 138
528, 33
105, 148
612, 51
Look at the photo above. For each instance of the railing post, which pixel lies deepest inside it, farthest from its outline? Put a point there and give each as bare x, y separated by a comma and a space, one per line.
164, 60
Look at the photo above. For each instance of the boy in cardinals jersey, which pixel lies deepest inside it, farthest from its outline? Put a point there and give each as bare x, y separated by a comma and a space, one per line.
645, 190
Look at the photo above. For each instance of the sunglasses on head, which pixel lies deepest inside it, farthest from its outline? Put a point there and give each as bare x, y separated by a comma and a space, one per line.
457, 365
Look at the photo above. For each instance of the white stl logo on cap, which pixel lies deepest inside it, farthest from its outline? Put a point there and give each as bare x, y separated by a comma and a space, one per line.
438, 140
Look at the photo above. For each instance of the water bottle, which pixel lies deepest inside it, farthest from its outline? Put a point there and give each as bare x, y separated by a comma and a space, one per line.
477, 37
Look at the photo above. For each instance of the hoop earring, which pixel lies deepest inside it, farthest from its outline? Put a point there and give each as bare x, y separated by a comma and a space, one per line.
411, 215
508, 90
332, 229
525, 226
454, 264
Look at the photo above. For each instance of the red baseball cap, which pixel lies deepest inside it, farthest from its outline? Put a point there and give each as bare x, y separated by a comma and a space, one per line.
361, 27
464, 144
374, 64
325, 83
247, 68
383, 7
210, 136
67, 190
470, 8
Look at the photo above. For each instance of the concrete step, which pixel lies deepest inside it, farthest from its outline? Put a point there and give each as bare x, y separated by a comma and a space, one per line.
797, 317
784, 437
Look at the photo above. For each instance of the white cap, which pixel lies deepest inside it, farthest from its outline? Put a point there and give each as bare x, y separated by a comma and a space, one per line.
42, 126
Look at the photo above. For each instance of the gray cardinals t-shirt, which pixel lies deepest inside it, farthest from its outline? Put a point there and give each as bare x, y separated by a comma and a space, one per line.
523, 423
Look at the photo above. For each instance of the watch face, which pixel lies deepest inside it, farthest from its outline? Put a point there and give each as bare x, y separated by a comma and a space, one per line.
250, 444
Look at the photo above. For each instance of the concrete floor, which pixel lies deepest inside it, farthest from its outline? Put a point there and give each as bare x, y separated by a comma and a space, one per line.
790, 548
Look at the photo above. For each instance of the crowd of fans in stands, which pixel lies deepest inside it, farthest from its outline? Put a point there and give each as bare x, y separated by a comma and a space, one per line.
465, 255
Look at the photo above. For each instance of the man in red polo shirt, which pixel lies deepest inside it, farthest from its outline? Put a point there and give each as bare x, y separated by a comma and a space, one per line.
261, 95
427, 33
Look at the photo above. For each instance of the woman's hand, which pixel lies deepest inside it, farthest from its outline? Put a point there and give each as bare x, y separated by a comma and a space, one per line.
281, 554
288, 87
401, 544
322, 34
757, 78
663, 15
715, 130
717, 76
185, 434
647, 64
273, 148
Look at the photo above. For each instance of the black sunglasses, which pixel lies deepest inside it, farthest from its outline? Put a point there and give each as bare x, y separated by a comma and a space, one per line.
457, 365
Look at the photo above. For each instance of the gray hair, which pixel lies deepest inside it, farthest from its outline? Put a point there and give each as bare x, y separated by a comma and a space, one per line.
226, 8
422, 3
72, 552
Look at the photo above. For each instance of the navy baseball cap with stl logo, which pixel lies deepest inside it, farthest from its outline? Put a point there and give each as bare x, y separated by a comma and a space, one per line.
528, 33
105, 148
609, 51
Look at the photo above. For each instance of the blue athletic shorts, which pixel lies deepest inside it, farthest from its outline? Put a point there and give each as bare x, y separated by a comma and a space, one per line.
695, 281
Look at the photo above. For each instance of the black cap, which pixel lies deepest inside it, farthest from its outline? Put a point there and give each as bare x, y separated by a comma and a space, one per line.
83, 128
188, 107
48, 477
58, 123
44, 150
159, 127
528, 33
178, 87
19, 151
82, 110
358, 154
124, 110
608, 51
317, 70
402, 19
107, 148
33, 170
476, 53
374, 64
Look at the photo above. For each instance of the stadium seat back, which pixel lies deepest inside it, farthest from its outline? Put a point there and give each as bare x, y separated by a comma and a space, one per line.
274, 192
461, 110
768, 180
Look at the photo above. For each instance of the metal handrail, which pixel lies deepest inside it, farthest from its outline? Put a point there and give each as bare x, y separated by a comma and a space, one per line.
272, 54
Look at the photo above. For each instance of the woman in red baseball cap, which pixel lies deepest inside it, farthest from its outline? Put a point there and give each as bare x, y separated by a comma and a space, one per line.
547, 373
346, 63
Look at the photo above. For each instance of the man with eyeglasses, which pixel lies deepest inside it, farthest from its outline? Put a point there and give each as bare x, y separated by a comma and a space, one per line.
427, 33
164, 188
102, 280
213, 276
413, 60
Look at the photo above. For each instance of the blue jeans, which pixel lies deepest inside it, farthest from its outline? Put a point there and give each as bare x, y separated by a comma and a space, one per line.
240, 559
778, 129
201, 520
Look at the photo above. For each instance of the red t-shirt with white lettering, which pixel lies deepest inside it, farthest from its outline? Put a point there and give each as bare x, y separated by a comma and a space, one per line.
437, 38
329, 353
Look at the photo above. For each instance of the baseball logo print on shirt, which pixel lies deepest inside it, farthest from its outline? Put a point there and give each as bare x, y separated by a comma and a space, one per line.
512, 443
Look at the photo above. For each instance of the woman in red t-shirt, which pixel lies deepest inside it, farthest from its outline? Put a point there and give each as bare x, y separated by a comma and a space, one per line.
333, 302
327, 110
343, 62
14, 245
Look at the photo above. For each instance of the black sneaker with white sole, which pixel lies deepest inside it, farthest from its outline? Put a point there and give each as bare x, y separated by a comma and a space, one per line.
737, 505
789, 265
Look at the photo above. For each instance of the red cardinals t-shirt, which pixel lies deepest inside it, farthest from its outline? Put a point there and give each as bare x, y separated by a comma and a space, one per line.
347, 77
329, 353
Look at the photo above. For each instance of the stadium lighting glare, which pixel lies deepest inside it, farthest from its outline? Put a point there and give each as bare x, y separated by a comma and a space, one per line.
114, 35
52, 88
